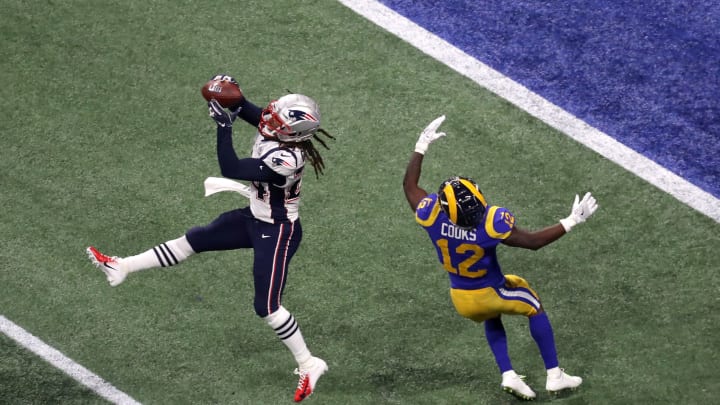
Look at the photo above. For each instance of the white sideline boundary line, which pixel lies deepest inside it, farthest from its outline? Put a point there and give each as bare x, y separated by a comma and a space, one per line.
537, 106
67, 365
486, 77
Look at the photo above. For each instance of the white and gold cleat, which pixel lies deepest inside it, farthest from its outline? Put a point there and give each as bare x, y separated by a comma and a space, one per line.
558, 380
513, 383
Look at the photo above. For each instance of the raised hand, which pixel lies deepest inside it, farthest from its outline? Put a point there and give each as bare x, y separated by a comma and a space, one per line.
429, 135
580, 212
217, 113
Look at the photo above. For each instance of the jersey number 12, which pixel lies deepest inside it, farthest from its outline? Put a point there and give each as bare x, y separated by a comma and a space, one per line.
463, 268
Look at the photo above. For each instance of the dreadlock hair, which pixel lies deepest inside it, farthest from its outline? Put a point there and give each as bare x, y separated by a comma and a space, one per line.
312, 154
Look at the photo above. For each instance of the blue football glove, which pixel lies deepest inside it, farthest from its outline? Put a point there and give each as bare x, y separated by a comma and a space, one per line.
234, 109
217, 113
226, 78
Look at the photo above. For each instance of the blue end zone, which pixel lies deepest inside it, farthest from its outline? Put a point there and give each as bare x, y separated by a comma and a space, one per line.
645, 73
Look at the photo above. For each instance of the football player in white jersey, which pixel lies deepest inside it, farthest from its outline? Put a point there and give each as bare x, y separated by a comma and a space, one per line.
270, 225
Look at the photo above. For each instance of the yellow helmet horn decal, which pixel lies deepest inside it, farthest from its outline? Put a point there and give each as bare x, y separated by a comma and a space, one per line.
452, 202
470, 186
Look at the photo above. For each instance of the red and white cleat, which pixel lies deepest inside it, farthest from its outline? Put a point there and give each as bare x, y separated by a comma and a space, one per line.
109, 265
308, 378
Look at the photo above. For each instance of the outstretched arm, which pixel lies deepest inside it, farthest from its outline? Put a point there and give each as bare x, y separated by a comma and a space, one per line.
230, 165
247, 111
534, 239
581, 211
413, 192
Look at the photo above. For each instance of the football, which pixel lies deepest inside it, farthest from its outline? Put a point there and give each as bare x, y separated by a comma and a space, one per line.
224, 89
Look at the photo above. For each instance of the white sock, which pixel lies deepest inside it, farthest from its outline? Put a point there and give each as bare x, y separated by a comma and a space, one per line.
287, 329
163, 255
554, 372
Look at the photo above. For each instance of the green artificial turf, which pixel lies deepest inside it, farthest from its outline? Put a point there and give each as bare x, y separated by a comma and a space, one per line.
106, 141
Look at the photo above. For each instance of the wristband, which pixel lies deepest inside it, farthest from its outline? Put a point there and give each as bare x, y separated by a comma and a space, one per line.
421, 147
568, 224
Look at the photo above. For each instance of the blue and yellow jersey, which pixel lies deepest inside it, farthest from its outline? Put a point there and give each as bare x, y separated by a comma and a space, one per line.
468, 255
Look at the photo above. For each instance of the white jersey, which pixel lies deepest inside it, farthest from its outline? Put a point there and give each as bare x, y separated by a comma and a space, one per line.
276, 203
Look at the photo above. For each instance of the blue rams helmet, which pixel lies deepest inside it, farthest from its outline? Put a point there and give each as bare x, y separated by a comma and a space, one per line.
291, 118
462, 201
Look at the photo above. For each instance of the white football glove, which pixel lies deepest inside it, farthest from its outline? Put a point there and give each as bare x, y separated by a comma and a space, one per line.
429, 135
581, 211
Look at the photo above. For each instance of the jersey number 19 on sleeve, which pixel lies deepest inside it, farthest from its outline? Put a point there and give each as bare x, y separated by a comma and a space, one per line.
464, 266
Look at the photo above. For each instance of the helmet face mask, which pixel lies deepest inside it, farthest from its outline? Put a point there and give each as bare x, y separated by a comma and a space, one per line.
462, 201
291, 118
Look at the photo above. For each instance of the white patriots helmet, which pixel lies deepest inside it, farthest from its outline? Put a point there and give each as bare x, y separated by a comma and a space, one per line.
291, 118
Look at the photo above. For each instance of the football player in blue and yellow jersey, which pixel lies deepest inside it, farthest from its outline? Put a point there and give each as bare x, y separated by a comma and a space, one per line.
466, 232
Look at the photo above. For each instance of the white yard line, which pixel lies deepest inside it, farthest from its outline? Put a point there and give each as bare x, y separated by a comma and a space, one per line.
67, 365
537, 106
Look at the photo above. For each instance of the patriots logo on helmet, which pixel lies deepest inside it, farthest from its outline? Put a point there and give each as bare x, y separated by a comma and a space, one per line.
281, 162
291, 118
301, 115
